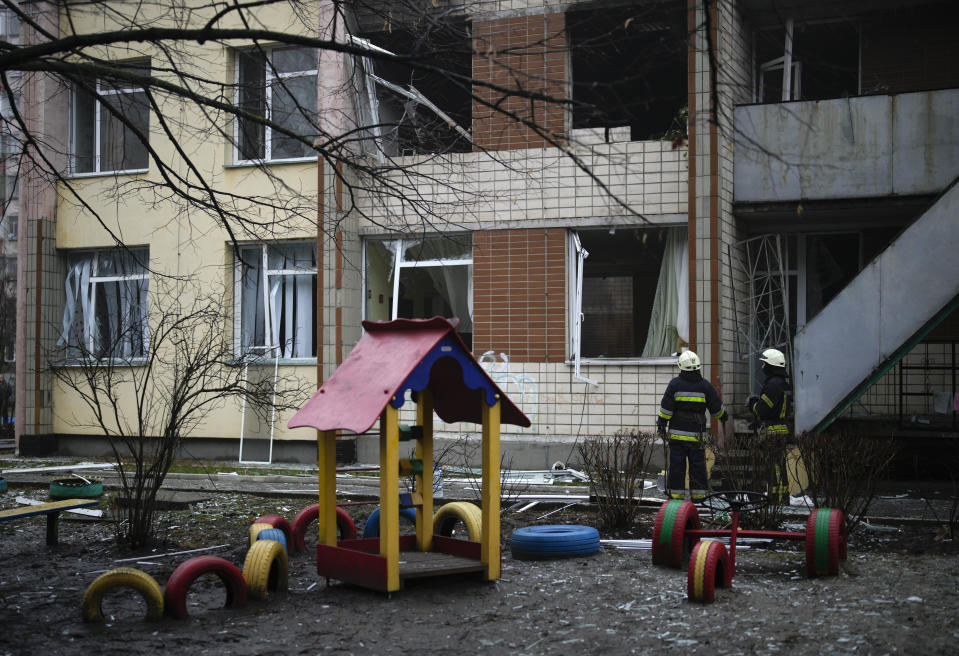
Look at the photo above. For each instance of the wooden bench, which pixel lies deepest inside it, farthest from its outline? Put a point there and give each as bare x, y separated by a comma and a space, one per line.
51, 510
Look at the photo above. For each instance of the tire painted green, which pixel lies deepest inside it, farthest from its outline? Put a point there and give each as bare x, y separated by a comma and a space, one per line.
670, 545
65, 488
825, 541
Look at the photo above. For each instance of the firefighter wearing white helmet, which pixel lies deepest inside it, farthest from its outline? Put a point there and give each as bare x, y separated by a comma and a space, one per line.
682, 419
770, 410
770, 417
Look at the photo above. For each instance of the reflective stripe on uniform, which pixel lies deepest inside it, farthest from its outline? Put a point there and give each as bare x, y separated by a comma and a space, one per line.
768, 401
777, 429
690, 397
717, 415
665, 414
683, 436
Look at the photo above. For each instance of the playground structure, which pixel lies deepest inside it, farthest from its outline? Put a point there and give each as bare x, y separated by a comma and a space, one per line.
427, 358
678, 536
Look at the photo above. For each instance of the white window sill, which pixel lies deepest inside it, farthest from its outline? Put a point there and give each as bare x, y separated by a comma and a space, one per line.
268, 162
117, 362
619, 362
262, 361
101, 174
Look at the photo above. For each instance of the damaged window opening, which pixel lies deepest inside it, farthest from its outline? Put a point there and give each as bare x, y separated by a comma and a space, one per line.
628, 69
278, 84
107, 307
420, 278
634, 296
823, 58
276, 291
411, 111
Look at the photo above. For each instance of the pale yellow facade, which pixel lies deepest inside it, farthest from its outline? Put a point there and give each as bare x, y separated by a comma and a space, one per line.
182, 240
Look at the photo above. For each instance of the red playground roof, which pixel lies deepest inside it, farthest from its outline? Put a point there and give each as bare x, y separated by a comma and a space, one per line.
394, 356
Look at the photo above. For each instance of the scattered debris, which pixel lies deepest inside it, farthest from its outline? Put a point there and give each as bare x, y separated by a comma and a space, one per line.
82, 465
171, 553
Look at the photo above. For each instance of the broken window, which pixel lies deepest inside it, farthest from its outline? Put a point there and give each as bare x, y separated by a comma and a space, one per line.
276, 287
634, 297
106, 311
101, 140
414, 111
421, 278
278, 84
628, 69
822, 56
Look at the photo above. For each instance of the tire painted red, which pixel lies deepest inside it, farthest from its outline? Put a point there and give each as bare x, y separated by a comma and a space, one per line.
277, 522
825, 541
709, 568
187, 572
344, 524
670, 544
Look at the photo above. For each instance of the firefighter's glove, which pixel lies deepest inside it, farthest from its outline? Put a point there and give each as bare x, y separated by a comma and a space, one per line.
751, 401
661, 428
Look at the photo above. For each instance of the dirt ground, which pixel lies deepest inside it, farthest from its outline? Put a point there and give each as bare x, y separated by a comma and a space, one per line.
897, 593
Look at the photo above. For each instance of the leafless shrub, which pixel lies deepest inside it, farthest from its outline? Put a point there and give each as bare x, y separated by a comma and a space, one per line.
458, 457
617, 465
756, 464
843, 469
146, 405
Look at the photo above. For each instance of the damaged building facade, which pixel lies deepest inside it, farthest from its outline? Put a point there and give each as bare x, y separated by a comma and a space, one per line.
588, 187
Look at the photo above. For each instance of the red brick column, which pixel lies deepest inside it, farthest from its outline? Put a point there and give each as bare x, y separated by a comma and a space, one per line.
525, 53
519, 294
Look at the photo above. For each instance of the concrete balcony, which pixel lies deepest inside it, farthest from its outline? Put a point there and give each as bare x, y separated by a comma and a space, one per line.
848, 148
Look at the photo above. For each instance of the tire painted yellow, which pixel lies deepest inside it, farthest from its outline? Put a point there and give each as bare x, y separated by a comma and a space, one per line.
468, 513
255, 531
122, 577
266, 569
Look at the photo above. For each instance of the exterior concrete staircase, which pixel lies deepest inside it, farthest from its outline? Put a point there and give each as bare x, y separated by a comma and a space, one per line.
879, 317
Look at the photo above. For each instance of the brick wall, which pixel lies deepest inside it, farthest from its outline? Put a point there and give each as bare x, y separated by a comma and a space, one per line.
526, 53
519, 293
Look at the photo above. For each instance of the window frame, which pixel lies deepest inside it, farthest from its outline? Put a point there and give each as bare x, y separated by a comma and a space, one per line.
263, 351
576, 257
399, 263
270, 75
91, 348
97, 116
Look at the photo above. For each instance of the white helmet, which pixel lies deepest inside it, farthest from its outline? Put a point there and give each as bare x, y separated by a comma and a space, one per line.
688, 361
773, 358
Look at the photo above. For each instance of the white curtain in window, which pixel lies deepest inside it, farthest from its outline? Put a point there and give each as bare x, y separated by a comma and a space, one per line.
252, 308
454, 283
126, 329
291, 300
669, 319
77, 290
114, 309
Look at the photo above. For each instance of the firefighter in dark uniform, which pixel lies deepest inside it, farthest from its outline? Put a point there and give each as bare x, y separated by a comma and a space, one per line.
682, 418
771, 413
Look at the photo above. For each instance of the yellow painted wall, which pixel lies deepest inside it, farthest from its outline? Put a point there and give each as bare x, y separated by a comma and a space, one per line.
182, 240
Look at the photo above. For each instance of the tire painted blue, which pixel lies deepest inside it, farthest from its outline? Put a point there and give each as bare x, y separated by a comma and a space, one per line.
554, 541
372, 527
274, 534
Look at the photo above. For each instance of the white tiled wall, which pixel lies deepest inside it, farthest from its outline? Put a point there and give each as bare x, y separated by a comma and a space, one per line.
647, 178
